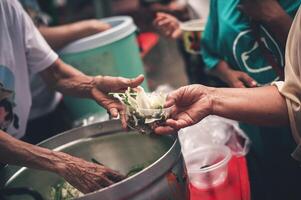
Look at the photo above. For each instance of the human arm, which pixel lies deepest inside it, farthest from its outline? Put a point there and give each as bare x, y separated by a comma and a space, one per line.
59, 36
270, 14
234, 78
261, 106
85, 176
70, 81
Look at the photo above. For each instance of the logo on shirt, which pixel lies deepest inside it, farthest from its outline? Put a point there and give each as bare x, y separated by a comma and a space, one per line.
7, 88
250, 59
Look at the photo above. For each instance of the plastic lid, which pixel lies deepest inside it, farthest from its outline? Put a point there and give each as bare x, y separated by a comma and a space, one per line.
122, 26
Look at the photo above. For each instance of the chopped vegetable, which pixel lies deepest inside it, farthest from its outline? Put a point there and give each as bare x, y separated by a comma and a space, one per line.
64, 191
144, 110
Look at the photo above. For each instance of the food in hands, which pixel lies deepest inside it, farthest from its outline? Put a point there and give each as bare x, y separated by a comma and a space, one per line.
144, 111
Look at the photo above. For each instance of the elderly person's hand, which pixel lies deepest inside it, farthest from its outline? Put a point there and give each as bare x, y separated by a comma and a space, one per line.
168, 25
85, 176
105, 84
190, 105
261, 10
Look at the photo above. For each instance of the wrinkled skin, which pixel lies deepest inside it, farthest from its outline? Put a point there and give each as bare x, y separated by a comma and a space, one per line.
88, 177
190, 105
108, 84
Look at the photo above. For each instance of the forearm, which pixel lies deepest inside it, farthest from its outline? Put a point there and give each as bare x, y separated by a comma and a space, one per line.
59, 36
16, 152
219, 70
68, 80
262, 106
278, 23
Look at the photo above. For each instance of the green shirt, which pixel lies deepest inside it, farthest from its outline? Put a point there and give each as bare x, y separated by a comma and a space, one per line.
228, 37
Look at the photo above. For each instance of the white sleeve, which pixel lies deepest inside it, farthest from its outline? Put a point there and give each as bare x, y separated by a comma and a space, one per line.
39, 54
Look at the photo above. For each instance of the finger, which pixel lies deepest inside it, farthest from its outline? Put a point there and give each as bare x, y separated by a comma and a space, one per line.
134, 82
164, 22
250, 82
169, 103
123, 119
161, 14
177, 124
176, 34
114, 112
108, 103
238, 84
115, 176
164, 130
104, 181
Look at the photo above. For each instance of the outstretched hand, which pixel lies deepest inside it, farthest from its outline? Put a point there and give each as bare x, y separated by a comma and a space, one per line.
106, 84
190, 105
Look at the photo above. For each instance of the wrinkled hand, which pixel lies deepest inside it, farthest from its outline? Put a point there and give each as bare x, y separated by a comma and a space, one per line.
190, 105
260, 10
85, 176
238, 79
168, 25
107, 84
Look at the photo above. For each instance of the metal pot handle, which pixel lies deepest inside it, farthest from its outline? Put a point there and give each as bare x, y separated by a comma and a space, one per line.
20, 191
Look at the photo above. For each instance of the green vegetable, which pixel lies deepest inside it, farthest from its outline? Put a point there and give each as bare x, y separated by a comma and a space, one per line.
136, 169
144, 110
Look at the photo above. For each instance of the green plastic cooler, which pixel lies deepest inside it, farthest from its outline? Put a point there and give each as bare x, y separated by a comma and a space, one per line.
114, 52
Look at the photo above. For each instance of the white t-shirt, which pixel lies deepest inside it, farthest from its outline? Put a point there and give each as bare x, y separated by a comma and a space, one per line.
23, 52
198, 9
44, 100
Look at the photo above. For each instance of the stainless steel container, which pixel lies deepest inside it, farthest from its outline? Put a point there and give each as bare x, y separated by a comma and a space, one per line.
162, 179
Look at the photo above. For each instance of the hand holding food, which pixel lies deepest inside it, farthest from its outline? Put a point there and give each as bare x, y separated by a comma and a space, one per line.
144, 111
105, 84
191, 104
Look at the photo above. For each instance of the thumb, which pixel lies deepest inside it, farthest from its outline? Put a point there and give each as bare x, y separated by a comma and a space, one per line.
134, 82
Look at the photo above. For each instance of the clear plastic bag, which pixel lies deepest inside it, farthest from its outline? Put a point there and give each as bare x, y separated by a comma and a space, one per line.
214, 130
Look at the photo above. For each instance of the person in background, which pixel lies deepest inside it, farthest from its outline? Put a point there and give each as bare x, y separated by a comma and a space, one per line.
48, 115
243, 45
23, 53
169, 26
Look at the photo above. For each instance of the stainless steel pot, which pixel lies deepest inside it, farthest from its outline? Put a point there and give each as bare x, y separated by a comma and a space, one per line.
162, 179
